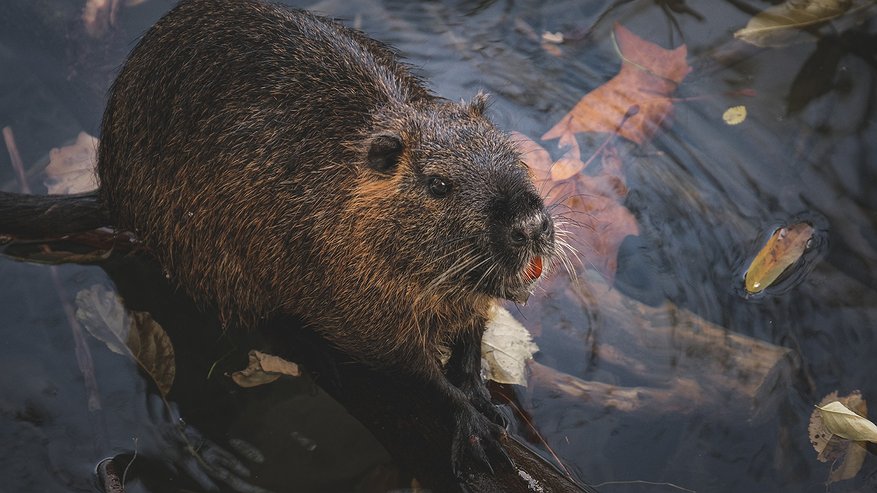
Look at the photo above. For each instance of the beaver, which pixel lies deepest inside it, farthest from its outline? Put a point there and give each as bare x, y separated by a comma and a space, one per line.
278, 163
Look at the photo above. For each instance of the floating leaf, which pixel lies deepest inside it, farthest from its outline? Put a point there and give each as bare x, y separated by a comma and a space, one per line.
782, 24
734, 115
784, 247
635, 102
72, 169
843, 422
264, 368
133, 334
505, 348
846, 456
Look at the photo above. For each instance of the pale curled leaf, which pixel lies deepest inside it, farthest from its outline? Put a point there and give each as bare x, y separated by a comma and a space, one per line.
845, 456
844, 423
262, 369
133, 334
782, 24
72, 168
505, 348
101, 312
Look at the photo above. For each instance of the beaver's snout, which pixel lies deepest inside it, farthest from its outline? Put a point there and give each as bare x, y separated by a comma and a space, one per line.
534, 229
524, 238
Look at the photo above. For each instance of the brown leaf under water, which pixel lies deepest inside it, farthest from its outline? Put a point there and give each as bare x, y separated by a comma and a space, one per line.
588, 207
133, 334
635, 102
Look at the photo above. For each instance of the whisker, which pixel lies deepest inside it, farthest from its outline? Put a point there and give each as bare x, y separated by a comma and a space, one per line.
464, 264
485, 275
446, 255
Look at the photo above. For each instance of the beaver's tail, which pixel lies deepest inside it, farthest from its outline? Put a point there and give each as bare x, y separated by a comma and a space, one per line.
49, 216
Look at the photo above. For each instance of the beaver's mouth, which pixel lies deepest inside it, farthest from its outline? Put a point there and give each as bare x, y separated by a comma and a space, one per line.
533, 269
520, 286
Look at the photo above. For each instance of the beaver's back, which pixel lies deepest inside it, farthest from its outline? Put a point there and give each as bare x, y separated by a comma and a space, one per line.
228, 133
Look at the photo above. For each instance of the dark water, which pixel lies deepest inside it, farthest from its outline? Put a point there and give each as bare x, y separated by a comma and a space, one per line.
704, 195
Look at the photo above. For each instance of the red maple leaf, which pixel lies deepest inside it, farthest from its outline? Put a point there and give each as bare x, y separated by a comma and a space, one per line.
635, 102
588, 208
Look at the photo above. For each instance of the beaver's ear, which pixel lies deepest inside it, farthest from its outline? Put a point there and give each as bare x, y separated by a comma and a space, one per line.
478, 105
384, 151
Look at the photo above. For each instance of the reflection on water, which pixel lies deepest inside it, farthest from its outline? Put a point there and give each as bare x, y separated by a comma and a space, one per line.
680, 379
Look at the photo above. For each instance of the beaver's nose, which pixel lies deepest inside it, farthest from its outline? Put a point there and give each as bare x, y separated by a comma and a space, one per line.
536, 227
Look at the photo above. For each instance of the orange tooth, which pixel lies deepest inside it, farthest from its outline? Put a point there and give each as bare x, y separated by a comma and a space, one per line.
534, 269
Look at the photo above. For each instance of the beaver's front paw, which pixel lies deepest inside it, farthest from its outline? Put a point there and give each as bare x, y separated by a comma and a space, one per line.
479, 397
476, 445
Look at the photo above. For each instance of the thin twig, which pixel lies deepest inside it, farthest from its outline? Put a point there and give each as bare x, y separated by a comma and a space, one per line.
83, 354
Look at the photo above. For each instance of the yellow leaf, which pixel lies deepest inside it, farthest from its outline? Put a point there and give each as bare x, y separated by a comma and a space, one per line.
782, 24
734, 115
844, 423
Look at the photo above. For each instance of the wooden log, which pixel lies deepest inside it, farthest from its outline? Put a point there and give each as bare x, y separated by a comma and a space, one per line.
684, 362
25, 216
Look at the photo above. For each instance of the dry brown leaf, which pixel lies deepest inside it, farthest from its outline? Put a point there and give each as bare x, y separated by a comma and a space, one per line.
133, 334
152, 348
846, 456
72, 168
264, 368
636, 101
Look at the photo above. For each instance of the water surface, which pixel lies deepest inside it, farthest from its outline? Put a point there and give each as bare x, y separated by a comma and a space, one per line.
704, 194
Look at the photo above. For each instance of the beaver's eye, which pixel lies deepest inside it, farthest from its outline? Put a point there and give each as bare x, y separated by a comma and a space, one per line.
438, 187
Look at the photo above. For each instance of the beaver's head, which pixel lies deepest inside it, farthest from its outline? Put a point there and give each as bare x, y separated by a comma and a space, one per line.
445, 195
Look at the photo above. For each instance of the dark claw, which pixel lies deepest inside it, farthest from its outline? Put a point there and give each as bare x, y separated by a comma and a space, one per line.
480, 399
477, 446
493, 413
